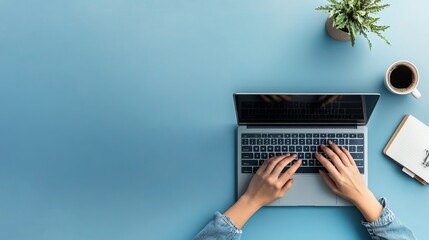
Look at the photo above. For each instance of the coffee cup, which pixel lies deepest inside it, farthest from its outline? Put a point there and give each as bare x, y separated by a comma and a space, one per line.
402, 78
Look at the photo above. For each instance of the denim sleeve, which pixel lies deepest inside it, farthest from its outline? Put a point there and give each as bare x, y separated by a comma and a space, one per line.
221, 227
387, 226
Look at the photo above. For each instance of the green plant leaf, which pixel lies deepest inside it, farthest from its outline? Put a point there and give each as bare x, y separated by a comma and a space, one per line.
361, 12
352, 36
367, 39
382, 37
360, 19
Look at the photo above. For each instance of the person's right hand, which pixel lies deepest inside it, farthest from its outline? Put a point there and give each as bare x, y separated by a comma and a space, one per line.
346, 181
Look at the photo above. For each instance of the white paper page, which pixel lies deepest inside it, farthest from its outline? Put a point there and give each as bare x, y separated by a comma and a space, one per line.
409, 147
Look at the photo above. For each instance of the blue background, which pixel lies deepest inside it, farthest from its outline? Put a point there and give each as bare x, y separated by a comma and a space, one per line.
117, 119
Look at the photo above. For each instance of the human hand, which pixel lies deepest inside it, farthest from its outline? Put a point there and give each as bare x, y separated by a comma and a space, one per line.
268, 184
346, 181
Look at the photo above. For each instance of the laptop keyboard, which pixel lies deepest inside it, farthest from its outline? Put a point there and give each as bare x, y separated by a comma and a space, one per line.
257, 147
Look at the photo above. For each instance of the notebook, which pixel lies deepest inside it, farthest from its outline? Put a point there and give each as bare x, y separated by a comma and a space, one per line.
409, 146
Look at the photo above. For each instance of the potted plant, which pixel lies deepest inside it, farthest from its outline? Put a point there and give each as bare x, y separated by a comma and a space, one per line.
349, 18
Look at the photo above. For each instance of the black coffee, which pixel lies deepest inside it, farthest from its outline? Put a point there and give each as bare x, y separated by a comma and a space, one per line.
401, 77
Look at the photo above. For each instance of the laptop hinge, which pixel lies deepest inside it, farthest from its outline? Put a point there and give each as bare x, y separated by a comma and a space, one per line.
303, 126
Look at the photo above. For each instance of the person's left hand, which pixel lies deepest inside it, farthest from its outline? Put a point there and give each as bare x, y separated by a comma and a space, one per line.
268, 184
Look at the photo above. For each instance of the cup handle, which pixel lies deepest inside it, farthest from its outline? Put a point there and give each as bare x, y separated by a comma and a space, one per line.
416, 93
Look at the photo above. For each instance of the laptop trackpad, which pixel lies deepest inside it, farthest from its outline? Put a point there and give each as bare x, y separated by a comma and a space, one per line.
308, 189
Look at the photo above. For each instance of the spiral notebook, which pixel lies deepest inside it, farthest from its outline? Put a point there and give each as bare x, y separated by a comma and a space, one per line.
409, 146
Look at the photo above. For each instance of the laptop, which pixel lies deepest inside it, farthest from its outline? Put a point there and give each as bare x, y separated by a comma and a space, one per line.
272, 124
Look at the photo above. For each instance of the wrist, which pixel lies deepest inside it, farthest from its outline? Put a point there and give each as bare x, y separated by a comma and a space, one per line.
250, 202
369, 206
242, 210
363, 198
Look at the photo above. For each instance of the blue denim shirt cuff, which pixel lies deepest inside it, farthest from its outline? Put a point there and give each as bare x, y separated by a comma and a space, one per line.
228, 221
385, 218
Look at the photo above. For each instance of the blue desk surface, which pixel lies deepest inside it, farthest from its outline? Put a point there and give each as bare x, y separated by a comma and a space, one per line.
117, 119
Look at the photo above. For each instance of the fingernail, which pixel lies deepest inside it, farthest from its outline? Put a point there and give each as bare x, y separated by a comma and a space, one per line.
330, 142
322, 145
287, 155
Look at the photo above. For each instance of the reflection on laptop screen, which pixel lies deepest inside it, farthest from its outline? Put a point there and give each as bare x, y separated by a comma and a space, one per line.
306, 108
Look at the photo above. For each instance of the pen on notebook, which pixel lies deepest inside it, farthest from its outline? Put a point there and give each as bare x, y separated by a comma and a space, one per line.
426, 160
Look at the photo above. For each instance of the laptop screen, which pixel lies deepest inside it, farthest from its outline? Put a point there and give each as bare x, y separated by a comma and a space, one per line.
285, 108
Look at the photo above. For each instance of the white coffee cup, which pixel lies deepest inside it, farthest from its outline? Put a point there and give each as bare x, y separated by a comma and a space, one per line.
403, 86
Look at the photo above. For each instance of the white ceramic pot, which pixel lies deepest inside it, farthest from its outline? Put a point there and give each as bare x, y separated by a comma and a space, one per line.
336, 34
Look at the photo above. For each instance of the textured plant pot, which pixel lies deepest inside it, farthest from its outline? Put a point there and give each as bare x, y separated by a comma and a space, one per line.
336, 33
